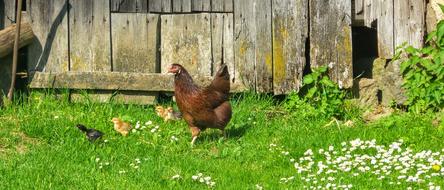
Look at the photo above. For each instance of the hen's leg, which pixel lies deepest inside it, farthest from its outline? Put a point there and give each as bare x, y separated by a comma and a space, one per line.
195, 131
224, 133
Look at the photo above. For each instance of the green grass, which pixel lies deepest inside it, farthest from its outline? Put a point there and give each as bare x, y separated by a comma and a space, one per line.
40, 148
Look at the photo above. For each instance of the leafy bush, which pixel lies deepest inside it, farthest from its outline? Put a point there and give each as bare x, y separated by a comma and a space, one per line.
322, 95
423, 72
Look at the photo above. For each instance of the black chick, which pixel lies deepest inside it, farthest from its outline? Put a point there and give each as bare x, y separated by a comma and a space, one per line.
91, 134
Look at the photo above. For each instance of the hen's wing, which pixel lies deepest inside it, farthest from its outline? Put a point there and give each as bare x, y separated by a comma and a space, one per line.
218, 91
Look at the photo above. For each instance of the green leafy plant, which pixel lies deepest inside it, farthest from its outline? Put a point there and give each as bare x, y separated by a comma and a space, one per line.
321, 93
423, 71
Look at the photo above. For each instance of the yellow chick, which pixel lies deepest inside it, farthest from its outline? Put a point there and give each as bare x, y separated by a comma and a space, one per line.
121, 126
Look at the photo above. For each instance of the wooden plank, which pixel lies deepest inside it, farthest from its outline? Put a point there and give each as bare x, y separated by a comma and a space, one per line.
409, 22
126, 6
263, 48
244, 44
7, 13
186, 39
228, 5
200, 5
49, 51
122, 81
134, 42
222, 42
371, 12
177, 6
90, 46
105, 96
330, 42
160, 6
217, 5
385, 29
290, 32
186, 5
359, 6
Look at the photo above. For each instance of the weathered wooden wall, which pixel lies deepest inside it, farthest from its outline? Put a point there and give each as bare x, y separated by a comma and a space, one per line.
267, 43
7, 15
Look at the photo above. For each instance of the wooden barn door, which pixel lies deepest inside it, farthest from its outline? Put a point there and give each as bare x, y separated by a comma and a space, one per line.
121, 48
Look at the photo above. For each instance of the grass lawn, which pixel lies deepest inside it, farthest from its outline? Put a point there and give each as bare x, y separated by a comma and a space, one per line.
40, 148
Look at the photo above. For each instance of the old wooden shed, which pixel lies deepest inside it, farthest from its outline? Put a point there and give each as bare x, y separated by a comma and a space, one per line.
125, 45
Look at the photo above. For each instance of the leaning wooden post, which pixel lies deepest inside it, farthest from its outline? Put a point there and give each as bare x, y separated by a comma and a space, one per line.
16, 46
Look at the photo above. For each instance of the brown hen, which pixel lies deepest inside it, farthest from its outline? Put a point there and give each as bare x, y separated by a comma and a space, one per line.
202, 108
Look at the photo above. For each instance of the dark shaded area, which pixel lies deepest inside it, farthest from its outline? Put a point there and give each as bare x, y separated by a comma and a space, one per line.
365, 50
2, 14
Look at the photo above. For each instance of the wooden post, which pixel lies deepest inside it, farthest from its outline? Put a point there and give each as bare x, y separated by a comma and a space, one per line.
16, 46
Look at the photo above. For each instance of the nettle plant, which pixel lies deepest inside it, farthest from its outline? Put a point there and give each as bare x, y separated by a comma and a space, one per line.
322, 94
423, 71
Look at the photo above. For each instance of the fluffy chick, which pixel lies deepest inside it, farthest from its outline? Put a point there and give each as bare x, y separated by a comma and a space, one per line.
172, 115
161, 111
91, 134
121, 126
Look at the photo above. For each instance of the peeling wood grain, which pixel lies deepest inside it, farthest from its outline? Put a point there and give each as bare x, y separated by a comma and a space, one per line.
186, 39
263, 48
126, 6
409, 22
200, 5
385, 29
160, 6
49, 51
134, 42
290, 32
222, 38
331, 42
90, 46
6, 62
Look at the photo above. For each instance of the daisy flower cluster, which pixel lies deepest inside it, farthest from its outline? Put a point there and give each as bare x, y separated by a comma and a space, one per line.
101, 164
392, 164
204, 179
136, 163
139, 127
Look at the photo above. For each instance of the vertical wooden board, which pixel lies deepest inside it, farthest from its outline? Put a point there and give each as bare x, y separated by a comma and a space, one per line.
263, 48
228, 5
90, 43
160, 6
186, 39
7, 13
129, 5
200, 5
49, 51
409, 22
177, 6
217, 5
186, 5
330, 42
290, 32
244, 43
359, 6
181, 6
371, 12
222, 42
385, 29
132, 49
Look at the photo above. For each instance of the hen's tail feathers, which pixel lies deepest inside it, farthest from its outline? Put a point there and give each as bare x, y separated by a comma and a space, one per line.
81, 127
223, 72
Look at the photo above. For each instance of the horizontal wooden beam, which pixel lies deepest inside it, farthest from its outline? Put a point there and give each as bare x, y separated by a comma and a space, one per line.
112, 81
